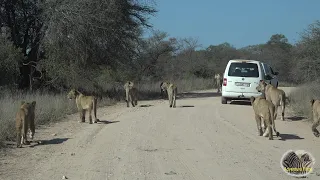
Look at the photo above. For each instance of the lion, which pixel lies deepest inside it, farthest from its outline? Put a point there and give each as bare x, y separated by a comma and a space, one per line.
274, 95
24, 121
172, 93
163, 92
218, 80
264, 112
315, 105
131, 93
84, 103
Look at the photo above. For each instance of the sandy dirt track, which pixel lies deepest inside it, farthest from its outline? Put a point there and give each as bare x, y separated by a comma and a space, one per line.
201, 139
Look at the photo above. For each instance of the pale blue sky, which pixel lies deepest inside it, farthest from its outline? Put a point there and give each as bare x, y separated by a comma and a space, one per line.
239, 22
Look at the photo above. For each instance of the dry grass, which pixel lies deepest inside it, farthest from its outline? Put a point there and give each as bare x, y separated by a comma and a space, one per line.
300, 98
54, 107
49, 108
287, 84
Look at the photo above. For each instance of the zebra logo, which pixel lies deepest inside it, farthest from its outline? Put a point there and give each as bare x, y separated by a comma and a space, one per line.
297, 163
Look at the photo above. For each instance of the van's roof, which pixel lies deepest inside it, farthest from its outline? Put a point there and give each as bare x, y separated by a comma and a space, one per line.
244, 60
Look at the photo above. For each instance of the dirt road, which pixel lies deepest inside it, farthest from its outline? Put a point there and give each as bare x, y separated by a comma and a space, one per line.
201, 139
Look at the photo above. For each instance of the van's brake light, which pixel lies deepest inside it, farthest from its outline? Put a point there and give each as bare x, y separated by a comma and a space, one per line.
224, 81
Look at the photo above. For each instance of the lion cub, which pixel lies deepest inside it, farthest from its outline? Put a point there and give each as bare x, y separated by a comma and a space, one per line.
131, 93
172, 93
274, 95
25, 120
264, 111
84, 103
315, 105
218, 81
163, 93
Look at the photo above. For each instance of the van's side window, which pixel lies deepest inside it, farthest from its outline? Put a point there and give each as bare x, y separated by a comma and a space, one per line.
267, 68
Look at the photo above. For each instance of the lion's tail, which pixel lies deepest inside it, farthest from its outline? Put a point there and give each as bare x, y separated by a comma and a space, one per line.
287, 100
283, 99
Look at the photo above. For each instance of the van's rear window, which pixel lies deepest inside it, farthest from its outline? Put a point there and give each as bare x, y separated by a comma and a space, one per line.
243, 69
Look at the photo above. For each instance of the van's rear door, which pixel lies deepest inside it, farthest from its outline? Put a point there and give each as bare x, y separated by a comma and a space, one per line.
243, 77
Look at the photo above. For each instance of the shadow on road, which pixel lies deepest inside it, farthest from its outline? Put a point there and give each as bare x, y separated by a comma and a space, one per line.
51, 141
246, 103
296, 118
198, 95
106, 122
185, 106
146, 105
285, 137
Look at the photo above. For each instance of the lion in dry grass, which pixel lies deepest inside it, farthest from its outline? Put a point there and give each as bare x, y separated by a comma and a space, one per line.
84, 103
315, 105
131, 93
172, 91
264, 112
24, 121
274, 95
218, 79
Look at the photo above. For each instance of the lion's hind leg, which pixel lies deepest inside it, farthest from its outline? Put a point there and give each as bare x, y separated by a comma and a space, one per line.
174, 97
283, 107
272, 110
174, 100
127, 97
32, 128
90, 113
82, 113
18, 140
274, 129
95, 106
25, 132
19, 137
132, 100
136, 99
268, 131
170, 99
258, 121
314, 126
269, 128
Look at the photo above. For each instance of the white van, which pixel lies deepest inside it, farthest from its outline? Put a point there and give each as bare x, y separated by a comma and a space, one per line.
241, 77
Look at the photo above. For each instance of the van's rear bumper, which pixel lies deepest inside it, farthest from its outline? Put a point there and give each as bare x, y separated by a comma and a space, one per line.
240, 95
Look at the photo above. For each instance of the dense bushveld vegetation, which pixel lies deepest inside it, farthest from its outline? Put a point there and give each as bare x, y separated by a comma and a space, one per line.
47, 47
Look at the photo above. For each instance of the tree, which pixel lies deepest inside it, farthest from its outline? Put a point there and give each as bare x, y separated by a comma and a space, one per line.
22, 20
84, 37
221, 54
154, 53
278, 39
307, 55
10, 56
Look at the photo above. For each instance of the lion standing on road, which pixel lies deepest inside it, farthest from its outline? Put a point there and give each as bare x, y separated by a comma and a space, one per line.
131, 93
163, 92
84, 103
172, 93
274, 95
315, 104
24, 121
218, 80
264, 112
